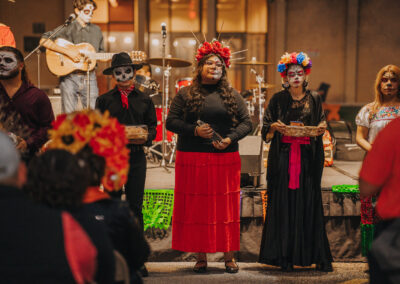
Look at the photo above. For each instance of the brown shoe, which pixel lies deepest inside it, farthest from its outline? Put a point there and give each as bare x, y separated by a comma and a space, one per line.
231, 266
200, 266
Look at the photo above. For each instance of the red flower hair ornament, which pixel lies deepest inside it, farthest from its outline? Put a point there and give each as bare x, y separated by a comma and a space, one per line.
214, 47
104, 134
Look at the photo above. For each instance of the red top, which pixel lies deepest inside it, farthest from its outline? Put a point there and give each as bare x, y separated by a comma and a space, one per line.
6, 36
381, 168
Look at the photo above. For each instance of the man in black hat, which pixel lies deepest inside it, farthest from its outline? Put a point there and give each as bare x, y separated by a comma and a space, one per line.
131, 107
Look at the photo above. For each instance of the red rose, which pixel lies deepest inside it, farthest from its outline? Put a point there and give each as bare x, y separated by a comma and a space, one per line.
81, 120
59, 120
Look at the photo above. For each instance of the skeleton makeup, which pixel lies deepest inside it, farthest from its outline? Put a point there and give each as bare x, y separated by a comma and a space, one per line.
123, 73
296, 76
212, 69
86, 13
389, 84
8, 65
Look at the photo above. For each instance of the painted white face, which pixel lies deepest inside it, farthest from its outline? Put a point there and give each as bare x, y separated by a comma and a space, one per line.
123, 73
8, 65
212, 70
86, 13
389, 84
296, 76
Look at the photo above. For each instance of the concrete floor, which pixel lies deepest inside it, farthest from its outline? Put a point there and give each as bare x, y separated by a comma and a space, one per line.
181, 272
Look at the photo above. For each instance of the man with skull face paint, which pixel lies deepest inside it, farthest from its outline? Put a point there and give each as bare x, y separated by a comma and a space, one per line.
294, 230
20, 99
80, 30
131, 107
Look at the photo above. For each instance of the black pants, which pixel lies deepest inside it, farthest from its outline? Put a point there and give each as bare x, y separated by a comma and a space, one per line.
376, 274
134, 188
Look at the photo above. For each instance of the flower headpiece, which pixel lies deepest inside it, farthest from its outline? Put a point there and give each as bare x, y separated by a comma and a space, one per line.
104, 134
294, 58
214, 47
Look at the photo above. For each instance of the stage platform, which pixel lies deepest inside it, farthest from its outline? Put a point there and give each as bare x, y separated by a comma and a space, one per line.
160, 178
342, 216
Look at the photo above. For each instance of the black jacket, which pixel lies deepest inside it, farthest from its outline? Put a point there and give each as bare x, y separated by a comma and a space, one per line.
32, 241
123, 229
141, 110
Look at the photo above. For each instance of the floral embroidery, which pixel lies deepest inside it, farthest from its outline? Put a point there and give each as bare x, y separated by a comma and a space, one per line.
386, 113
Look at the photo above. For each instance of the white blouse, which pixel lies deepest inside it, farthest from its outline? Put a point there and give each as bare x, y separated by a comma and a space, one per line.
378, 121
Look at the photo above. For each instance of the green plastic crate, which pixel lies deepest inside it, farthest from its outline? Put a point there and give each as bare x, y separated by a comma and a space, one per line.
345, 188
157, 208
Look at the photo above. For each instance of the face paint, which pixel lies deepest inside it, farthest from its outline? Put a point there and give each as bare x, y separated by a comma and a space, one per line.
212, 69
8, 65
86, 13
123, 73
296, 76
389, 84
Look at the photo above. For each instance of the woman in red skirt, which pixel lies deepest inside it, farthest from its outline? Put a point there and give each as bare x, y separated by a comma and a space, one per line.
209, 117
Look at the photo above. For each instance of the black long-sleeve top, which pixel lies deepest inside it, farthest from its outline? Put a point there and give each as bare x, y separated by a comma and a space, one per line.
141, 110
214, 112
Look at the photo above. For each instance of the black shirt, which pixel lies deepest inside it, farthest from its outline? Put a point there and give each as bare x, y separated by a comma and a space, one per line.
140, 111
214, 112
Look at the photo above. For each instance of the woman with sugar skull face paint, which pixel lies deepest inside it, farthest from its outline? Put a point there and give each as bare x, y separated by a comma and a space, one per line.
374, 116
294, 230
206, 215
371, 119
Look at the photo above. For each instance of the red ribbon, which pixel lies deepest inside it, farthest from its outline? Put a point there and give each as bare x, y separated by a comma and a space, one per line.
295, 158
124, 96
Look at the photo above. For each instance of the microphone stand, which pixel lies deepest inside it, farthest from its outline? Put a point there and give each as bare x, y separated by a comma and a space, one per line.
165, 76
259, 80
37, 48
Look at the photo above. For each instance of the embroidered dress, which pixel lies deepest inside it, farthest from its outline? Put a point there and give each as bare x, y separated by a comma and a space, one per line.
377, 121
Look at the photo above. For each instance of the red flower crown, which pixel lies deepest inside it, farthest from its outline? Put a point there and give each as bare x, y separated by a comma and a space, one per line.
104, 134
214, 47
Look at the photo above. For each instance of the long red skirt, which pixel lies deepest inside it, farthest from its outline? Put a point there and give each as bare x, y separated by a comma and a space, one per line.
206, 216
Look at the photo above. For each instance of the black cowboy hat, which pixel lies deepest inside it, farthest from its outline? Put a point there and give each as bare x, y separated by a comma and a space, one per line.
121, 59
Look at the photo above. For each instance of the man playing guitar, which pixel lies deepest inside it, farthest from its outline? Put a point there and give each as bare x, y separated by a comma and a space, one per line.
74, 85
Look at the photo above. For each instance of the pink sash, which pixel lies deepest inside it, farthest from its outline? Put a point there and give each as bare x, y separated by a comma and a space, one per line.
295, 158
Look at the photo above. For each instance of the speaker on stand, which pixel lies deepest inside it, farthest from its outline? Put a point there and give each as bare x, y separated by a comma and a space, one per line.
250, 150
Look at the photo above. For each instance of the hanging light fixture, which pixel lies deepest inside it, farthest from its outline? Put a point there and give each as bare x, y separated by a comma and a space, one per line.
113, 3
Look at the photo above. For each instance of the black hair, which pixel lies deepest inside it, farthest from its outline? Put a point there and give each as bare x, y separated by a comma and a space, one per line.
20, 58
57, 178
196, 92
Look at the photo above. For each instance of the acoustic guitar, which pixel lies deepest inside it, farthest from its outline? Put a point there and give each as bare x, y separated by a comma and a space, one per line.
61, 65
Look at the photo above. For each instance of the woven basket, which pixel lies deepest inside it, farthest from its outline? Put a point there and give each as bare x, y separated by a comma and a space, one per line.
134, 132
301, 131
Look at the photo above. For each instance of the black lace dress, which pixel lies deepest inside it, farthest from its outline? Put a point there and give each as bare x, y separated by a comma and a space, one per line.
294, 231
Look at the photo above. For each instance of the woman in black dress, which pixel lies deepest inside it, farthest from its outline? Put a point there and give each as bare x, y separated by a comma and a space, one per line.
294, 231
